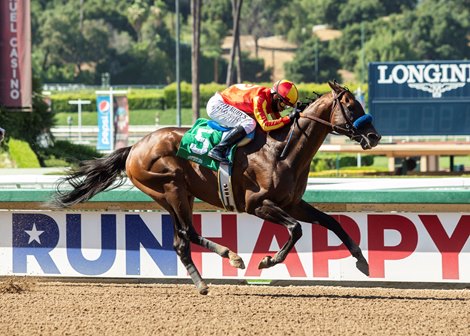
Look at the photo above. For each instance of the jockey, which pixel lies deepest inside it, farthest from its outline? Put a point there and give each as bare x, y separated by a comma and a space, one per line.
241, 106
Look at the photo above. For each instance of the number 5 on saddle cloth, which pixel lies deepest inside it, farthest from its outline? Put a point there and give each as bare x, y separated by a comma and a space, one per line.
198, 141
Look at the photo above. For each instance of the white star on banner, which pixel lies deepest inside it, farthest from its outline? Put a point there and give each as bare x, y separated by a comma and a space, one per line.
34, 234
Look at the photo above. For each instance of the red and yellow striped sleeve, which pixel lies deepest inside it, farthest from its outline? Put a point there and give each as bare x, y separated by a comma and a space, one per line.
261, 116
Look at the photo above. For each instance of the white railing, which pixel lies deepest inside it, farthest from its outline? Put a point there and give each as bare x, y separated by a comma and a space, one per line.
388, 183
37, 181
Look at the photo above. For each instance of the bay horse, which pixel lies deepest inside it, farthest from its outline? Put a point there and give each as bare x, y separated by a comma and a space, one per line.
267, 181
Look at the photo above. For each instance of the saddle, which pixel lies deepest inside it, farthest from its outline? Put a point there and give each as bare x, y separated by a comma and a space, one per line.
198, 141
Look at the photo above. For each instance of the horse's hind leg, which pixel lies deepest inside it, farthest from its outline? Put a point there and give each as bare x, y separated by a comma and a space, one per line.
184, 233
307, 213
181, 213
181, 244
182, 248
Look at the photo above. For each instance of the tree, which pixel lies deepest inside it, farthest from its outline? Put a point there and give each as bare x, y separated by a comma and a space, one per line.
256, 20
28, 126
302, 68
387, 46
137, 13
237, 5
357, 11
63, 42
439, 30
398, 6
134, 40
346, 48
216, 16
196, 16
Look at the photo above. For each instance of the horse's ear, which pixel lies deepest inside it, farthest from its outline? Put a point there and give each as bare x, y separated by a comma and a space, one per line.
334, 86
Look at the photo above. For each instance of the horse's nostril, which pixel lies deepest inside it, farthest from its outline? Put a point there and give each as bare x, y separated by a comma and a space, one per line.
374, 137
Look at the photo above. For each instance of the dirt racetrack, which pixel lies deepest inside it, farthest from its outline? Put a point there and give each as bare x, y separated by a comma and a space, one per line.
34, 307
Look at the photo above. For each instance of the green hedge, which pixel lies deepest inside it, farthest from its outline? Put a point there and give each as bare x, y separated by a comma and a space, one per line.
160, 99
22, 154
69, 152
331, 161
139, 99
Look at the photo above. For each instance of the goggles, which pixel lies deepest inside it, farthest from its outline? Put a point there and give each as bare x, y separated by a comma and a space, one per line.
282, 102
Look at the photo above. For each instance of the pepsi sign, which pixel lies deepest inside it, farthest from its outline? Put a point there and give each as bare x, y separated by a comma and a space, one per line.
105, 123
420, 98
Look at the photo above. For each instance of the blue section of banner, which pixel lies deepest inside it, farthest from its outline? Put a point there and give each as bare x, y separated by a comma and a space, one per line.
420, 98
105, 123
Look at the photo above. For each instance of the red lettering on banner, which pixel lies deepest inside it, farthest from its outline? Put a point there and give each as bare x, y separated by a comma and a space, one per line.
449, 247
322, 252
228, 239
270, 231
378, 252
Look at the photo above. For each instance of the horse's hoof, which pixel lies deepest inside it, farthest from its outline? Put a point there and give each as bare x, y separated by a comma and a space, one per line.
363, 266
236, 260
266, 262
203, 289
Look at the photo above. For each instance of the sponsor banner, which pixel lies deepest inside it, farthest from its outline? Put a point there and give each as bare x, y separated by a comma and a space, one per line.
399, 247
121, 122
420, 98
105, 122
15, 56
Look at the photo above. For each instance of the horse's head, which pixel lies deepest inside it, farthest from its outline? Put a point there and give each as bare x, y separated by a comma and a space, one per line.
348, 118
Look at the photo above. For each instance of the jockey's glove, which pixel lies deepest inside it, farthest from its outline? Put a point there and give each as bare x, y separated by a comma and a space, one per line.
302, 106
295, 114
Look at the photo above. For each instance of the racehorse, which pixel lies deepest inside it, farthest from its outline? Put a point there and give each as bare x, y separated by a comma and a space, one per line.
268, 181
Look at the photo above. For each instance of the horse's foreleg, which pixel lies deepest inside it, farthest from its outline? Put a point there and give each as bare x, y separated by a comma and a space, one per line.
306, 213
271, 212
223, 251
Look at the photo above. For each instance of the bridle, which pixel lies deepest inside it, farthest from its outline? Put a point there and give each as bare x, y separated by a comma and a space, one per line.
350, 129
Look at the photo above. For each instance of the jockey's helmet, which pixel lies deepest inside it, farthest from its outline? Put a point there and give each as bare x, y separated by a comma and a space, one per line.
287, 91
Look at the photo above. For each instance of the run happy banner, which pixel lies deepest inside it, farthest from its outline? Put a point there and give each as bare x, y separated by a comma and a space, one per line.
399, 247
15, 55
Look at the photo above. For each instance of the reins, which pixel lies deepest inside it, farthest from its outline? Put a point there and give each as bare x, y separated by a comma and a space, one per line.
333, 127
348, 130
284, 151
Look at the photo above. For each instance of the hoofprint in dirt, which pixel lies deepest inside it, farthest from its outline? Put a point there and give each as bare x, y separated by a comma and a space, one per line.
54, 308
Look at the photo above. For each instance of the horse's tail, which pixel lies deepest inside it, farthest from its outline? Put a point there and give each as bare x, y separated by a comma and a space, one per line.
90, 178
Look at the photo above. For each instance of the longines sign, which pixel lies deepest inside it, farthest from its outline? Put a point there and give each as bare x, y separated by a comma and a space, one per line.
420, 98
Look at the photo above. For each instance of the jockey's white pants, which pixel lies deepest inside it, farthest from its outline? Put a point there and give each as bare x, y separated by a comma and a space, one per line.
227, 115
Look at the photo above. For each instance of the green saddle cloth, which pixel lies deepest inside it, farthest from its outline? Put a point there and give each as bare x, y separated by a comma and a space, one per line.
198, 141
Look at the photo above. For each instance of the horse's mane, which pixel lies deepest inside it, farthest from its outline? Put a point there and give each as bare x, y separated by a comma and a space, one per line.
302, 105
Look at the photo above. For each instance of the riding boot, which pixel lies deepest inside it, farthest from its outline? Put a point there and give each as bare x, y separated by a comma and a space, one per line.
219, 152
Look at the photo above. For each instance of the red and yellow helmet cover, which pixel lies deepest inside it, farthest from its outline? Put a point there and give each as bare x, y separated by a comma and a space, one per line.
287, 91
